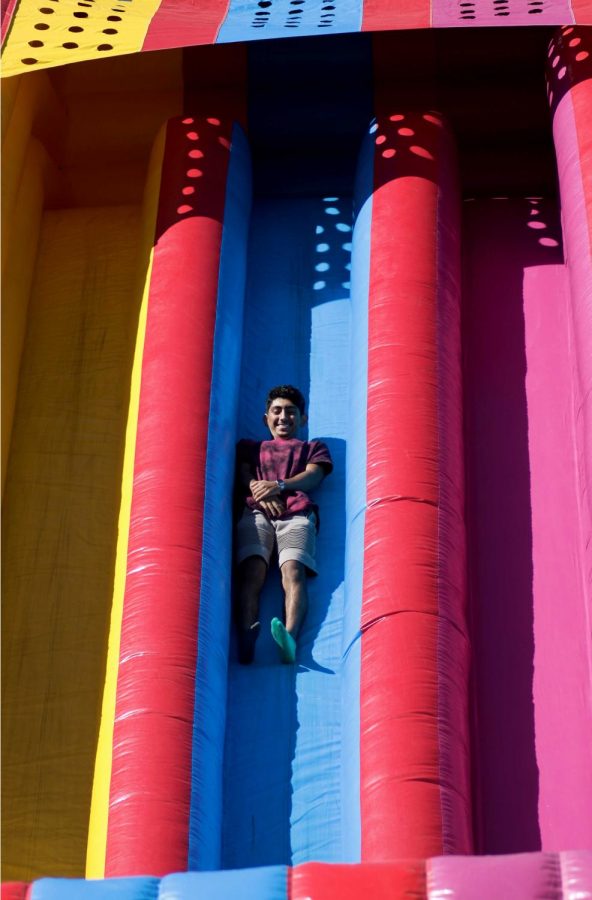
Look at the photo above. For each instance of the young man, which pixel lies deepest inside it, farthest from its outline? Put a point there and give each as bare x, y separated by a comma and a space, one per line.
275, 477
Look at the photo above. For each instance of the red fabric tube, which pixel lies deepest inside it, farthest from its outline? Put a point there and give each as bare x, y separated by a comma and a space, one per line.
16, 890
405, 878
151, 772
379, 16
414, 755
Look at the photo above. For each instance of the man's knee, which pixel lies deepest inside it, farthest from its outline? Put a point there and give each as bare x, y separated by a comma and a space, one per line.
293, 572
252, 571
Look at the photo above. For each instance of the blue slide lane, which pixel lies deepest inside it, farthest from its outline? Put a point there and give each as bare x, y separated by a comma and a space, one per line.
291, 766
356, 503
214, 619
282, 781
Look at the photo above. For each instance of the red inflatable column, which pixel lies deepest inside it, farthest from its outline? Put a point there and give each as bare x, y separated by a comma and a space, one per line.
323, 881
150, 788
414, 754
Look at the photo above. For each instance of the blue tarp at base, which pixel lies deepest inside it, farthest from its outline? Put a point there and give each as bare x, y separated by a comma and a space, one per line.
252, 884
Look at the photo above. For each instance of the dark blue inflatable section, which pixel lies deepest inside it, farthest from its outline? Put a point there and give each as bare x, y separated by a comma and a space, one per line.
214, 620
283, 738
284, 754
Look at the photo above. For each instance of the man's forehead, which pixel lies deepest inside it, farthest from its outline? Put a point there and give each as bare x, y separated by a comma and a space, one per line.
282, 401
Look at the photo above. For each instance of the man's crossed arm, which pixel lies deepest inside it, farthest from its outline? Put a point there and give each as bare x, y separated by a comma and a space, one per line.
268, 494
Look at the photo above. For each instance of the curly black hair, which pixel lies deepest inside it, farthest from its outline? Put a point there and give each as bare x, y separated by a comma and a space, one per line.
286, 392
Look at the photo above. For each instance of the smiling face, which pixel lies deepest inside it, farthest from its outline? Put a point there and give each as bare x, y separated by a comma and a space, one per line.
283, 419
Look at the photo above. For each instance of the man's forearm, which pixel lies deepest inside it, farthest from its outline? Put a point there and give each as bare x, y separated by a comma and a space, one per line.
245, 475
305, 481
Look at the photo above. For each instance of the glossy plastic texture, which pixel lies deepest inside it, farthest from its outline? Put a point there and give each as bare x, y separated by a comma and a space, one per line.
525, 876
111, 889
270, 882
380, 880
414, 657
536, 876
151, 781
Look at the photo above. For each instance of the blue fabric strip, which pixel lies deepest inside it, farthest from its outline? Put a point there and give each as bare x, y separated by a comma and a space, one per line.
256, 19
356, 504
268, 883
283, 742
79, 889
284, 750
215, 595
305, 134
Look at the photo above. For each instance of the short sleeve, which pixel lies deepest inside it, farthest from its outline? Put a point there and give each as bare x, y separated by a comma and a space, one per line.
318, 453
245, 451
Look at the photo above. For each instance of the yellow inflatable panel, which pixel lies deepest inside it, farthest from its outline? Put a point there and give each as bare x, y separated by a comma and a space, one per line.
76, 144
97, 832
29, 179
31, 108
61, 506
17, 276
56, 32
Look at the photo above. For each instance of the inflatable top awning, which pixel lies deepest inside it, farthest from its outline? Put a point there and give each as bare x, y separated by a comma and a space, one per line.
39, 34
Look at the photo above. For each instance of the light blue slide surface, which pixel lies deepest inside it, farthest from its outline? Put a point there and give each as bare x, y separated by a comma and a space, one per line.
282, 773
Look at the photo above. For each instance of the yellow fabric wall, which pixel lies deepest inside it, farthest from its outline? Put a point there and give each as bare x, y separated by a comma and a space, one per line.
60, 512
28, 47
99, 809
17, 274
115, 109
74, 265
91, 128
28, 177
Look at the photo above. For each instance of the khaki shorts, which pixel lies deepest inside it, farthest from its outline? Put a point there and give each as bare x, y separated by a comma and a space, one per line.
295, 538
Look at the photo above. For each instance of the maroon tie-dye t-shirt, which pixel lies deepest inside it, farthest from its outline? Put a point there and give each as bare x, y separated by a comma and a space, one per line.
278, 460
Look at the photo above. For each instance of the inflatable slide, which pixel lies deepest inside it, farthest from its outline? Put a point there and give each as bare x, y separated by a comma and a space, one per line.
396, 217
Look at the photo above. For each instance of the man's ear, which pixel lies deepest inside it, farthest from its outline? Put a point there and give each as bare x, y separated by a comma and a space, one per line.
303, 419
264, 419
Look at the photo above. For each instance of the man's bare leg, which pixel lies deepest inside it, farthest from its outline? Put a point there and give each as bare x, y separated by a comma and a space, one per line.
252, 573
296, 603
294, 583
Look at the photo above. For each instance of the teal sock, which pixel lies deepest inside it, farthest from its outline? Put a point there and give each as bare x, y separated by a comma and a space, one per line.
284, 640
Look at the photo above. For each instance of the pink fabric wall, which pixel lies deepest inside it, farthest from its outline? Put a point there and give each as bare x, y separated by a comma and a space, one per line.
569, 75
501, 240
447, 13
562, 688
536, 876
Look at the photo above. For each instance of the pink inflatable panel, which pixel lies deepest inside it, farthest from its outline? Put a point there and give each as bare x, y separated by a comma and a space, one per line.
536, 876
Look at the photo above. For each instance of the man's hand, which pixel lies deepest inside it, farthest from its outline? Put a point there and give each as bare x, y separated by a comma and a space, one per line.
273, 508
264, 490
267, 495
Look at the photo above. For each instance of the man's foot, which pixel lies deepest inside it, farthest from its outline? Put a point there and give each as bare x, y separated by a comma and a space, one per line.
246, 643
284, 640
